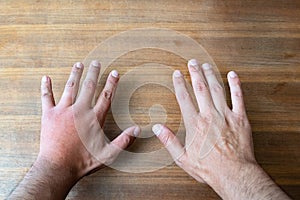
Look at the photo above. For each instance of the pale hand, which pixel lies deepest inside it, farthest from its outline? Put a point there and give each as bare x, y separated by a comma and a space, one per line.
219, 148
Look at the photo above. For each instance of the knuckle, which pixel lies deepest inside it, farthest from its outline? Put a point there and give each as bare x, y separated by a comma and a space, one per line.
208, 117
184, 95
179, 81
238, 82
194, 69
89, 84
209, 72
237, 90
108, 158
112, 81
75, 71
238, 94
107, 94
70, 84
217, 88
126, 139
166, 139
200, 86
46, 94
93, 70
242, 121
180, 161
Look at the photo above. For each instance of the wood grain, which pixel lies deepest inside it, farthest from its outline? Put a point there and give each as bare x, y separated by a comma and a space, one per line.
260, 40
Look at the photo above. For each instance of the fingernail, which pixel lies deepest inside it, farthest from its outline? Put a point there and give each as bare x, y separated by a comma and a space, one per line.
206, 66
44, 79
136, 131
193, 62
115, 73
232, 74
157, 129
95, 63
177, 73
79, 65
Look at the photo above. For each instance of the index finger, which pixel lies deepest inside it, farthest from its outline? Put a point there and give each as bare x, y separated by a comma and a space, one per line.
104, 100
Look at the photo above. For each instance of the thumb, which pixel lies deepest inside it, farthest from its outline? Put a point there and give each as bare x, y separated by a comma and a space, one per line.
169, 140
126, 138
120, 143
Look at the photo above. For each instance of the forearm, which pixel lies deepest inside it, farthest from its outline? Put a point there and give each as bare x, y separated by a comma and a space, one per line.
45, 181
251, 182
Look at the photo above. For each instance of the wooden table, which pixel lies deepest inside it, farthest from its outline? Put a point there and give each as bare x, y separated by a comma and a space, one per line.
260, 40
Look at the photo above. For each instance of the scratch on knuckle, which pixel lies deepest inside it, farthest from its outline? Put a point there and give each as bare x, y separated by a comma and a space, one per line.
70, 83
107, 94
238, 83
200, 86
113, 82
46, 94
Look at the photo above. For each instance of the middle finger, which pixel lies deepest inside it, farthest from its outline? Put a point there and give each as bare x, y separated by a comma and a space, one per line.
89, 85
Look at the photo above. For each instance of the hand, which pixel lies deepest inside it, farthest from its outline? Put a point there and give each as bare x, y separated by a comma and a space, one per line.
218, 146
65, 125
72, 142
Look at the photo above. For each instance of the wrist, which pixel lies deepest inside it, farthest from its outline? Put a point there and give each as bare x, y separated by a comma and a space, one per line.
247, 181
57, 179
45, 180
236, 180
57, 162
